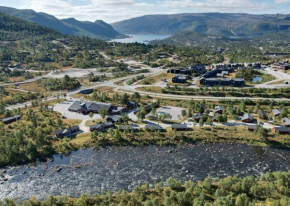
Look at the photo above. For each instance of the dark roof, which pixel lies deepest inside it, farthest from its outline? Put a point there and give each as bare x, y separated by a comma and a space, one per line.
196, 115
251, 126
67, 131
108, 124
286, 121
282, 129
124, 127
153, 127
218, 108
16, 117
89, 106
262, 113
276, 112
96, 126
179, 126
247, 116
115, 118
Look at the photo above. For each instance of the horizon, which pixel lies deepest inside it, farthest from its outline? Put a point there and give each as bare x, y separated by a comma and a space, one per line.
112, 11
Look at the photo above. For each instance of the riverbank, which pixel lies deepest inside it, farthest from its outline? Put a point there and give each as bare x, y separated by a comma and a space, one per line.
269, 189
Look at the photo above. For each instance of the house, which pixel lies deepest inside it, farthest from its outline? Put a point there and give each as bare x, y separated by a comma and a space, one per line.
101, 126
251, 127
196, 116
179, 79
280, 66
66, 132
97, 127
218, 109
247, 118
11, 119
132, 105
281, 130
127, 128
179, 127
276, 112
162, 55
115, 118
236, 82
286, 122
153, 127
87, 107
118, 110
262, 114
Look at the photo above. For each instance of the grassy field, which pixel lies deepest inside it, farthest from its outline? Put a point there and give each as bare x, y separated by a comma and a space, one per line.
154, 89
156, 79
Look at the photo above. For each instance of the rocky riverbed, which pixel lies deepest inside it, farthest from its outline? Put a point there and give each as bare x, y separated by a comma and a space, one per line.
113, 168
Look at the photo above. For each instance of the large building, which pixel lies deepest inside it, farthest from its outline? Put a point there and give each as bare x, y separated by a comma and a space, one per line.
280, 66
179, 79
237, 82
87, 107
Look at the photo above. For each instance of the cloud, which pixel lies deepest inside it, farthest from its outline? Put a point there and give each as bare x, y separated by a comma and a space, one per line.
116, 10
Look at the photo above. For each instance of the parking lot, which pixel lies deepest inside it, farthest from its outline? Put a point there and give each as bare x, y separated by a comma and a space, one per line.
175, 112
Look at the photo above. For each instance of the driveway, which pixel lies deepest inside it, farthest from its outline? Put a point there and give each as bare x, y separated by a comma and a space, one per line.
175, 112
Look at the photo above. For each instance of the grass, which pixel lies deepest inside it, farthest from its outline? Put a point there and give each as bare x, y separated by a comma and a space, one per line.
33, 87
156, 79
92, 122
71, 122
81, 139
278, 82
154, 89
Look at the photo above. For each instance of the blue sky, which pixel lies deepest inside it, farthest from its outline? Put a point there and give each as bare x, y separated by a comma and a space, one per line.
116, 10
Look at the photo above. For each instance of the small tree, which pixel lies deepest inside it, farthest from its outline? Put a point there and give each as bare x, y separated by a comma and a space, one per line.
183, 113
91, 115
103, 113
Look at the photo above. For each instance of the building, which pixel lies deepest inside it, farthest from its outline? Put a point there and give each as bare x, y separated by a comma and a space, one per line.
87, 107
286, 122
218, 109
9, 120
132, 105
281, 130
179, 79
118, 110
101, 126
179, 127
280, 66
127, 128
262, 114
196, 116
276, 112
153, 127
66, 132
114, 118
247, 118
236, 82
251, 128
215, 117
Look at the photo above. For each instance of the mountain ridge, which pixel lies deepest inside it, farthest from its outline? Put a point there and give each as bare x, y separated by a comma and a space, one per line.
78, 28
221, 24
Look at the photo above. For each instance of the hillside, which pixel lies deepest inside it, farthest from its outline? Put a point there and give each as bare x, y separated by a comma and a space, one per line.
221, 24
12, 28
98, 29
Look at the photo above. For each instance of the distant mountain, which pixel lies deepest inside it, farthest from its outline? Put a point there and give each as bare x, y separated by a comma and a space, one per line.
98, 29
13, 28
220, 24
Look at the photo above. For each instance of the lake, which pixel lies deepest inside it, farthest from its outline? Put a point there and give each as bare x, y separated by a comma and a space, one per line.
114, 168
140, 38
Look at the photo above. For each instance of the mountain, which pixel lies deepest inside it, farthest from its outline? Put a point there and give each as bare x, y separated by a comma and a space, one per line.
98, 29
220, 24
13, 28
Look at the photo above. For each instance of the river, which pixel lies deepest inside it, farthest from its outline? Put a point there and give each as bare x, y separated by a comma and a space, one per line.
114, 168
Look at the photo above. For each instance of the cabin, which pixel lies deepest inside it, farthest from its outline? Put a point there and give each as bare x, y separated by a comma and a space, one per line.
196, 116
281, 130
127, 128
179, 79
276, 112
179, 127
118, 110
218, 109
9, 120
153, 127
66, 132
101, 126
262, 114
132, 105
247, 118
251, 128
286, 122
114, 119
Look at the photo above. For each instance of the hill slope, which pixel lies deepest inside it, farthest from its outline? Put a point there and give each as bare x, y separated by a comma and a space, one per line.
98, 29
222, 24
13, 28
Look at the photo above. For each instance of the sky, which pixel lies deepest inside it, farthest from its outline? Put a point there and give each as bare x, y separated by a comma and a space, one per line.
117, 10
